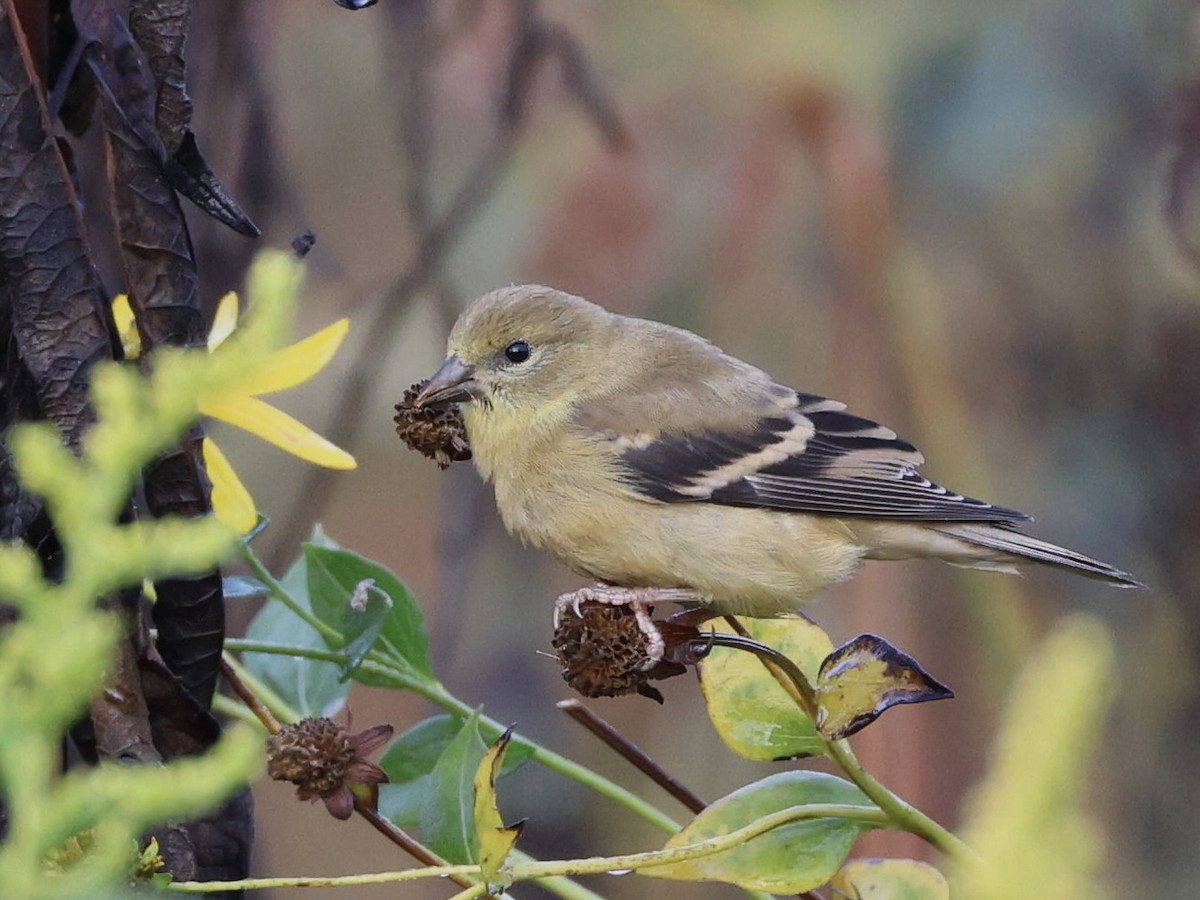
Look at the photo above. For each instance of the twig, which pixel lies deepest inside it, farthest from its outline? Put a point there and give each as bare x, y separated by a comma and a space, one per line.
413, 64
417, 851
632, 753
401, 839
534, 40
248, 697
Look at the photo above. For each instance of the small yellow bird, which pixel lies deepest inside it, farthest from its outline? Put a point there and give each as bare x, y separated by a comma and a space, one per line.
645, 458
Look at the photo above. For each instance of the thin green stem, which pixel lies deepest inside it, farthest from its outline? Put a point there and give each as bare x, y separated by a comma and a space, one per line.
596, 865
899, 811
280, 593
557, 763
436, 693
258, 884
559, 885
651, 859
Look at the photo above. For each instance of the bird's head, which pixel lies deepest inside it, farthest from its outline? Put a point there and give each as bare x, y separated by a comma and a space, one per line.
523, 346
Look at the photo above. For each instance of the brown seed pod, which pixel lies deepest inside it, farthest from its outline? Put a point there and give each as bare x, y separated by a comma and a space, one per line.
323, 760
435, 432
603, 653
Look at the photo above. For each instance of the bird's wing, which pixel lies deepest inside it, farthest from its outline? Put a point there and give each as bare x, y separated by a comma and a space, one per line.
800, 453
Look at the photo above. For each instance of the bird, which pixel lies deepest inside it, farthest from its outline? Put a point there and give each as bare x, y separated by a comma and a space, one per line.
644, 458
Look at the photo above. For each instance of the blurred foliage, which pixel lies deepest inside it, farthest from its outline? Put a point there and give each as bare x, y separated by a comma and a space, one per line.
1025, 819
42, 693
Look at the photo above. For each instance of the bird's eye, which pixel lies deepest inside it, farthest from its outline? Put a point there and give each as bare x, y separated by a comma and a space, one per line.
517, 352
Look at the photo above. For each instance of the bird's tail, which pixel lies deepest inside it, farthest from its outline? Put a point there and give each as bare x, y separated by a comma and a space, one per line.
1007, 542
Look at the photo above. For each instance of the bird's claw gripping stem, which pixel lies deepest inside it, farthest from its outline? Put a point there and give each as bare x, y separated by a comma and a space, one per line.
640, 600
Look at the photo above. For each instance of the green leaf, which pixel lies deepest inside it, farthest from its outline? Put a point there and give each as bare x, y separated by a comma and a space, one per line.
416, 752
753, 714
890, 879
334, 576
409, 762
401, 804
786, 860
495, 839
447, 815
309, 686
865, 677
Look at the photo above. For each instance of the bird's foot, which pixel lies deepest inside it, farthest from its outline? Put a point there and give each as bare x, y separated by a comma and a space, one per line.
640, 600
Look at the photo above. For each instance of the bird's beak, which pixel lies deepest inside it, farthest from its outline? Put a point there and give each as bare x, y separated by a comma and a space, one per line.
452, 383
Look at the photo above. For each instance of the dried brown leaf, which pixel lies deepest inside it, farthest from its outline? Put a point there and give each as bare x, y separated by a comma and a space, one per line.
53, 297
160, 28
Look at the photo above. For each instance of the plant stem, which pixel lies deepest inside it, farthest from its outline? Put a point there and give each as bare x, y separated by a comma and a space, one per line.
596, 865
258, 884
707, 847
406, 842
280, 593
555, 762
782, 668
632, 753
249, 691
559, 885
900, 812
278, 707
478, 889
436, 693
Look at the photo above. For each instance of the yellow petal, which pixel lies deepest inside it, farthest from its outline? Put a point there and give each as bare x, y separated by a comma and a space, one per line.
131, 340
295, 364
277, 428
231, 502
224, 321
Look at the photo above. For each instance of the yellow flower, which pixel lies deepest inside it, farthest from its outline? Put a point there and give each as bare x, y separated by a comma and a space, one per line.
238, 404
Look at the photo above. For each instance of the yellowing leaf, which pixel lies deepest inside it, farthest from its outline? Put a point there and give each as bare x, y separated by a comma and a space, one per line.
795, 857
753, 714
865, 677
1026, 820
889, 879
495, 839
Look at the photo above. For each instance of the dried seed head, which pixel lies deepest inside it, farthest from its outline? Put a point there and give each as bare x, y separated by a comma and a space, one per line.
436, 433
603, 653
313, 754
323, 760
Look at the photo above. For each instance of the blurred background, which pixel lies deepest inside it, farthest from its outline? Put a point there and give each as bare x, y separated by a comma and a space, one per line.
972, 222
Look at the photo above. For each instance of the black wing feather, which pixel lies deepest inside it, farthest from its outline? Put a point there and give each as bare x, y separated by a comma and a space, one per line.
850, 467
